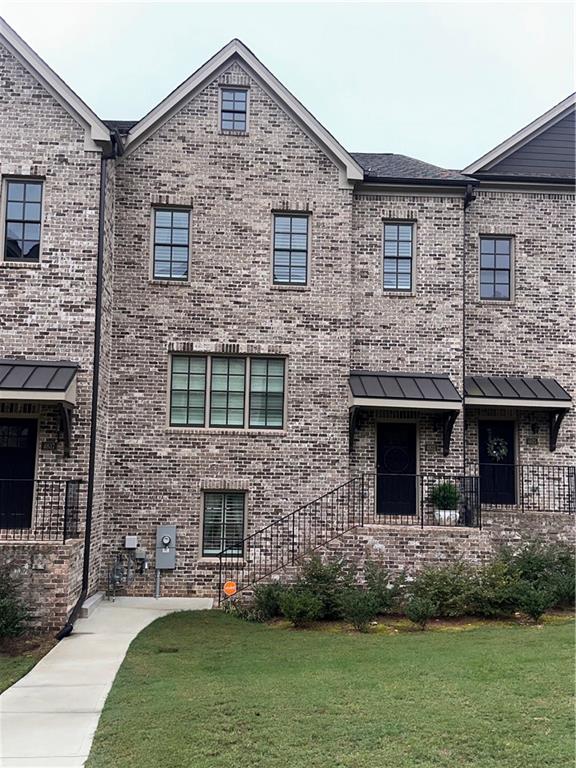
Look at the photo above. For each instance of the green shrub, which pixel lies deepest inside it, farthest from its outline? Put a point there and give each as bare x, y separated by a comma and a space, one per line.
326, 581
445, 496
13, 612
379, 586
300, 606
358, 607
267, 599
550, 567
420, 610
494, 590
450, 589
534, 600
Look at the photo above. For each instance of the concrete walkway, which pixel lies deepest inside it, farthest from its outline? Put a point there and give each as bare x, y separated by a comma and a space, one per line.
49, 717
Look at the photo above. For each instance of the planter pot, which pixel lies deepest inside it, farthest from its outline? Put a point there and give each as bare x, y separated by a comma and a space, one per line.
447, 516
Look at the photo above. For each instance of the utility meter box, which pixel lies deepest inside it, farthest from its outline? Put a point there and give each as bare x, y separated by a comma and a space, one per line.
165, 547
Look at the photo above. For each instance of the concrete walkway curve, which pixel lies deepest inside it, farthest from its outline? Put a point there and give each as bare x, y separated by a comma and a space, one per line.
49, 717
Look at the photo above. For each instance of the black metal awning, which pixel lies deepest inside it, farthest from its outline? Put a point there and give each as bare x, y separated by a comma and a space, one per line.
410, 391
520, 392
45, 381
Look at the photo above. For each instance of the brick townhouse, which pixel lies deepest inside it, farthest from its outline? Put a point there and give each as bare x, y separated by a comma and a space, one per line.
219, 319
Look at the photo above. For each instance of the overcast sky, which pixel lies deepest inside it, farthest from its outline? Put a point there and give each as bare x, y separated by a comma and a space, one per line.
443, 82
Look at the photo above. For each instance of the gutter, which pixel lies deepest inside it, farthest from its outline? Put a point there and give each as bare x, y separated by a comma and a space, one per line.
68, 627
407, 181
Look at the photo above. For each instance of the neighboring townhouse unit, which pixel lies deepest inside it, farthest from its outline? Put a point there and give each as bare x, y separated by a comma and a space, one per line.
217, 318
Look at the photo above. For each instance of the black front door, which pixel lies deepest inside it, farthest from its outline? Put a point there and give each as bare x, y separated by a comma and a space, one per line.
396, 462
17, 464
496, 450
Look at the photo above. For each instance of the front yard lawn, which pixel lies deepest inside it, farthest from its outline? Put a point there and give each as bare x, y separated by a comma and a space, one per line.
206, 690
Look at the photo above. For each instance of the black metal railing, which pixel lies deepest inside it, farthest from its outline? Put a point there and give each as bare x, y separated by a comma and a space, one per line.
365, 500
39, 510
527, 487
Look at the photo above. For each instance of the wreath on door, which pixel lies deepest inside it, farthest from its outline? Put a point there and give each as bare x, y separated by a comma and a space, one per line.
497, 448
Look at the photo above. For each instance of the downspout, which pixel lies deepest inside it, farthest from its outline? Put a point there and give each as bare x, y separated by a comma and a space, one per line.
469, 196
67, 628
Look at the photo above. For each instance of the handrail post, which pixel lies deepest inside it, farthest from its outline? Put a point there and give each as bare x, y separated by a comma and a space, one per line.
219, 579
420, 490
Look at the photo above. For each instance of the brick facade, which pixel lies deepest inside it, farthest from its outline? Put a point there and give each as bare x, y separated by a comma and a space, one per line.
147, 472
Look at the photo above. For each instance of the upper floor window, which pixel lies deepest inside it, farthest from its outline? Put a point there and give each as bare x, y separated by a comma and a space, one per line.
496, 268
290, 261
233, 109
212, 391
171, 244
22, 220
398, 256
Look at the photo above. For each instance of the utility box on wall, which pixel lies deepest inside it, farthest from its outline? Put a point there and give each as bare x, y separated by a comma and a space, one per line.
165, 547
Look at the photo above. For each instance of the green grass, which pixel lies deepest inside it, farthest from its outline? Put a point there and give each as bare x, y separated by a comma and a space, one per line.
205, 690
12, 668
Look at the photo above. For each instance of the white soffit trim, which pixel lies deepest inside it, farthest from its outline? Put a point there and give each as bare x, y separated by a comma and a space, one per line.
64, 95
41, 396
501, 402
400, 404
523, 136
208, 71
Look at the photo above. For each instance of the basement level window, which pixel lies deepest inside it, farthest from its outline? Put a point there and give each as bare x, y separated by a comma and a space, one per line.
223, 527
23, 213
234, 109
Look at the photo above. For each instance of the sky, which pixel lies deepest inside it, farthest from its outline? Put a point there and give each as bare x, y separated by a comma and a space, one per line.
443, 82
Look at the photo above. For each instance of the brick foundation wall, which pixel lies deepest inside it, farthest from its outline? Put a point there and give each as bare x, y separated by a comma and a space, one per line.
50, 577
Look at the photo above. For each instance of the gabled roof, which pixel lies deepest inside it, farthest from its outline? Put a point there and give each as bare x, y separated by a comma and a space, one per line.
485, 163
208, 71
392, 168
72, 103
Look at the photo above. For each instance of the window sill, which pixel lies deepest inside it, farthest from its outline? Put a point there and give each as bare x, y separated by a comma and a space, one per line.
399, 294
224, 431
223, 132
288, 287
497, 302
239, 561
156, 281
21, 264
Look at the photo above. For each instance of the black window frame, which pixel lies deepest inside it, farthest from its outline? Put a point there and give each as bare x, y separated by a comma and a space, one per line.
157, 244
224, 543
249, 397
22, 221
236, 113
398, 258
489, 270
290, 250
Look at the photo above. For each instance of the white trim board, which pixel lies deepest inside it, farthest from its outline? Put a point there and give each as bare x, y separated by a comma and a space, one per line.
209, 71
416, 405
523, 136
42, 396
502, 402
97, 133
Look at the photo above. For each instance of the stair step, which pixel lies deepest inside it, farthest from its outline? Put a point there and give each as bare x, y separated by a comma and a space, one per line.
89, 605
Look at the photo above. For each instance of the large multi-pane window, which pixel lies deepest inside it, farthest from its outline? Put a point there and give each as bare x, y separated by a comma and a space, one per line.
267, 393
212, 391
398, 256
223, 524
233, 109
290, 265
171, 244
495, 268
22, 220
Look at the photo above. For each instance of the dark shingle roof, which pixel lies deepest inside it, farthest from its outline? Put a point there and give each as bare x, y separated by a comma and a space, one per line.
403, 386
390, 167
514, 388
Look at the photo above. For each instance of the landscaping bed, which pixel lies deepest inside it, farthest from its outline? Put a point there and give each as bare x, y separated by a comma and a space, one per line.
206, 690
19, 655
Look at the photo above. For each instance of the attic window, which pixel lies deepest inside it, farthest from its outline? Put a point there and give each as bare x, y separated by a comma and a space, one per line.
234, 109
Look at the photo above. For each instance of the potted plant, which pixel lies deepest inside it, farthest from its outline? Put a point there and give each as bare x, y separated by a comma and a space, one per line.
445, 498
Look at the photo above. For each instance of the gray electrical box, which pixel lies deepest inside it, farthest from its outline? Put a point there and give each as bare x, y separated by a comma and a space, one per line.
165, 547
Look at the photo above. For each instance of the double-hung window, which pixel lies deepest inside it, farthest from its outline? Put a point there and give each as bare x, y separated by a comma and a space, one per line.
290, 261
236, 392
398, 256
22, 216
171, 244
496, 268
223, 527
233, 109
